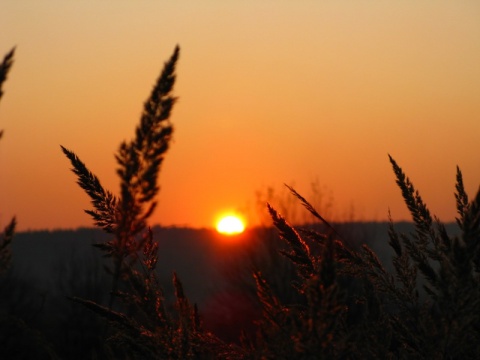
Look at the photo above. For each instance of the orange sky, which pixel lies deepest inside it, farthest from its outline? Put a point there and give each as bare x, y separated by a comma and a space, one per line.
270, 92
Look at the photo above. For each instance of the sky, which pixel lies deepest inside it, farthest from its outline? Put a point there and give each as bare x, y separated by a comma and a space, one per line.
270, 92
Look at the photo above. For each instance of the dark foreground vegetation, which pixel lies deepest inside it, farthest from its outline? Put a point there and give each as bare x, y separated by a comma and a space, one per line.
313, 291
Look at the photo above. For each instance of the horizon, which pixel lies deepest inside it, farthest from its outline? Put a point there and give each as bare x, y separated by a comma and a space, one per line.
269, 93
215, 231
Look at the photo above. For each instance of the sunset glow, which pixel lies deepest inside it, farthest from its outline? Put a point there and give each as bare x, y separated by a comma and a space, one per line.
230, 225
269, 93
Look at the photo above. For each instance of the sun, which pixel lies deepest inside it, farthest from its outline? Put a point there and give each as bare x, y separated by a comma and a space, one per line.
230, 225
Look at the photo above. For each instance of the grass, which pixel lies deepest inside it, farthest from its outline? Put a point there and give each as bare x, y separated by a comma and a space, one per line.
7, 235
339, 301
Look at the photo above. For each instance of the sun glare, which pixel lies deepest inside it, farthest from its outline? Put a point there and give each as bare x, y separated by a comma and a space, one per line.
230, 225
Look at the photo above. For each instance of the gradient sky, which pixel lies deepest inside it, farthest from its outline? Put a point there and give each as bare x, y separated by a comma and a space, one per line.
270, 92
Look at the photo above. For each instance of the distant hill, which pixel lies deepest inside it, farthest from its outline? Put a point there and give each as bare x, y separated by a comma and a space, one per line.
215, 270
50, 259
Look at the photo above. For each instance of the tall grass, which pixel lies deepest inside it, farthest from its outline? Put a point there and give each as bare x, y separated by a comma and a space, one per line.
17, 339
429, 307
145, 328
7, 235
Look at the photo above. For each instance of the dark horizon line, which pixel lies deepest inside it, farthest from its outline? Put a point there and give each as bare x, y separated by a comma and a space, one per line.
212, 228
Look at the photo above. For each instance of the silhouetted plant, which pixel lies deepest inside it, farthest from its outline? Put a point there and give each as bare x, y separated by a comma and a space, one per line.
17, 338
314, 327
264, 252
5, 241
429, 307
5, 68
139, 162
7, 235
146, 328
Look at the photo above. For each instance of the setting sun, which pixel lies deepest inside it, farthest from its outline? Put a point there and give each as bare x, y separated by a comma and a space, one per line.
230, 225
